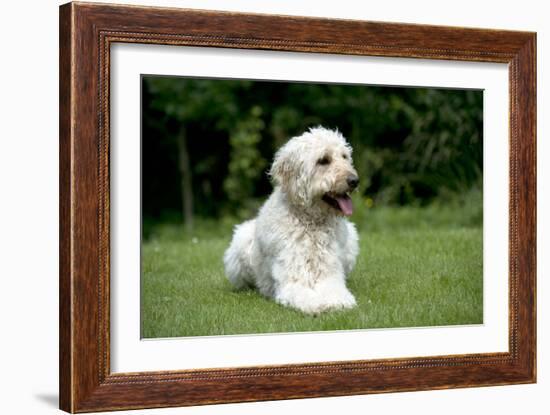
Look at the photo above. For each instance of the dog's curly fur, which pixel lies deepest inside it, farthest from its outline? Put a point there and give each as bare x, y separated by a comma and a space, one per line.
300, 248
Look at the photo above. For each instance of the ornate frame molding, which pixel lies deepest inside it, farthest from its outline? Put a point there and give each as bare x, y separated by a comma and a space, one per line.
86, 33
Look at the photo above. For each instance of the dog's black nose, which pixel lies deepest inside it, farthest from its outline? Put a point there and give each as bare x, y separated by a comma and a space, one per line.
353, 181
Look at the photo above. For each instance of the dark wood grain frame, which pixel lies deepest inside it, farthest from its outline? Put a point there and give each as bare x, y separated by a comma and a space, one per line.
86, 33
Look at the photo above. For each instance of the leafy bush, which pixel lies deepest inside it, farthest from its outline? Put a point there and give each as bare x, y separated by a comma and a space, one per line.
412, 146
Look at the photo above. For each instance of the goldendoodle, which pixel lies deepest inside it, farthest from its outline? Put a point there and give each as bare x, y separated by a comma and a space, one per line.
300, 247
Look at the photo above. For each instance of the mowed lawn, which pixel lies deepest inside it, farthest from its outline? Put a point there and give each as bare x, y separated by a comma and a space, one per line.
408, 274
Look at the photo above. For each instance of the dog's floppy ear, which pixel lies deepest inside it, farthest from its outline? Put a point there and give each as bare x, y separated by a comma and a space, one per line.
287, 171
281, 168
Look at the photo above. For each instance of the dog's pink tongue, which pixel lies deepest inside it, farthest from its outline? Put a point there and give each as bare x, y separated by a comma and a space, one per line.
346, 206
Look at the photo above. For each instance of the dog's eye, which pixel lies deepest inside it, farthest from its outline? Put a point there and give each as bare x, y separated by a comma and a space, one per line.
323, 161
345, 156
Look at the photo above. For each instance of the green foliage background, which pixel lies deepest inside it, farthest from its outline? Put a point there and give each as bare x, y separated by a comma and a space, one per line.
412, 146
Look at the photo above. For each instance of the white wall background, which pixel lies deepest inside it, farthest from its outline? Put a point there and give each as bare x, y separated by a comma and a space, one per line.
29, 207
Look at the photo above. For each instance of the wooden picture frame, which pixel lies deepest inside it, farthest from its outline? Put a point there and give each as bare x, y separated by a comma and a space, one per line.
86, 33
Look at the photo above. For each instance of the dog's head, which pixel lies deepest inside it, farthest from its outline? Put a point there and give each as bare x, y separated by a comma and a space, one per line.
316, 169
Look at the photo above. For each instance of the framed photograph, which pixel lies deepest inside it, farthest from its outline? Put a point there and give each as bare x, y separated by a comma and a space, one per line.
258, 207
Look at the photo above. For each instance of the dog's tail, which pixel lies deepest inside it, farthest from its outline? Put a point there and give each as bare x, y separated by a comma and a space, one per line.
237, 259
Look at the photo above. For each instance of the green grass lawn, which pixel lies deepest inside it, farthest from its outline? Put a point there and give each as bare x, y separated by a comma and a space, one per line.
415, 268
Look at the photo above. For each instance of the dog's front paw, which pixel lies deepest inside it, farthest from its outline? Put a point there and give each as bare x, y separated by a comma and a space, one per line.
336, 296
343, 300
308, 302
346, 300
301, 298
323, 297
329, 301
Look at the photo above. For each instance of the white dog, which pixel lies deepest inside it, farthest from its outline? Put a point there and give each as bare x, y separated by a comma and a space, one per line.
300, 247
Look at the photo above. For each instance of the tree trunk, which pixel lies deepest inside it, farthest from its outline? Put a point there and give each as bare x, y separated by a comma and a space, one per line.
185, 180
